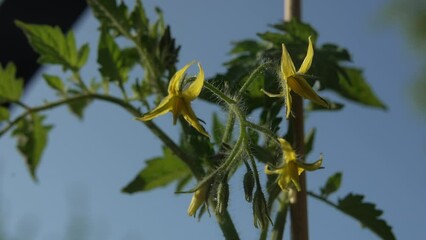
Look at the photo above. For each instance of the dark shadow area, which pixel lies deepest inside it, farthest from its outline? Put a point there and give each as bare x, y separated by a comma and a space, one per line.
14, 46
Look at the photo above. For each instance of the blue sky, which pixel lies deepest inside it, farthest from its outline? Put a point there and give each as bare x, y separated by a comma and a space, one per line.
381, 153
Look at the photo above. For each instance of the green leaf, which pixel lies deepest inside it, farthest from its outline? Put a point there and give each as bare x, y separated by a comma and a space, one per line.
112, 16
111, 61
138, 19
10, 86
4, 113
83, 55
54, 82
297, 30
53, 46
77, 107
353, 86
332, 185
246, 46
158, 172
367, 214
31, 134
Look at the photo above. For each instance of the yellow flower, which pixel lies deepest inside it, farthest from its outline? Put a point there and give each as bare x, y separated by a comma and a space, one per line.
179, 99
292, 80
291, 168
198, 199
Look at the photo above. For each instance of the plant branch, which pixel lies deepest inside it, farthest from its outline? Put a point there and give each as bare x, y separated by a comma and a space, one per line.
191, 162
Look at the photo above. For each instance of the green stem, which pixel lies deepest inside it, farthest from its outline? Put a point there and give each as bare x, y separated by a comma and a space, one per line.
280, 220
227, 134
144, 59
218, 93
251, 78
264, 130
227, 226
190, 161
123, 91
80, 81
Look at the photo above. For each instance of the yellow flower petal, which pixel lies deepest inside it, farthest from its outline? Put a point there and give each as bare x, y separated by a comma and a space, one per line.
192, 119
308, 59
174, 84
272, 94
310, 166
284, 180
287, 66
178, 105
194, 89
272, 172
300, 86
164, 107
293, 172
288, 153
197, 200
288, 100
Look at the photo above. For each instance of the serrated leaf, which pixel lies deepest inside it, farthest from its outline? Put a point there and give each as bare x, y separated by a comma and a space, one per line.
332, 185
367, 214
83, 55
4, 113
158, 172
353, 86
276, 38
77, 107
31, 134
138, 19
111, 15
297, 29
111, 61
10, 85
54, 82
53, 46
245, 46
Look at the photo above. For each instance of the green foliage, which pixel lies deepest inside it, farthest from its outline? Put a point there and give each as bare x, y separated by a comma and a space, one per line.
329, 65
31, 134
367, 214
10, 85
332, 185
357, 88
111, 59
254, 65
353, 205
77, 107
55, 83
55, 47
159, 172
111, 15
4, 113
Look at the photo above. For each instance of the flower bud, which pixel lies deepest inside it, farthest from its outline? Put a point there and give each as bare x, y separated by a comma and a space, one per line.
198, 199
222, 195
260, 210
248, 185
